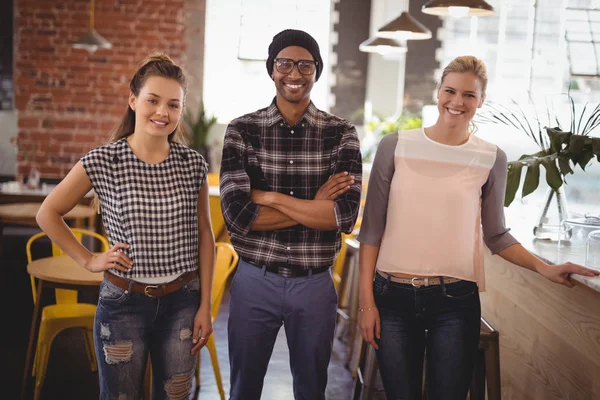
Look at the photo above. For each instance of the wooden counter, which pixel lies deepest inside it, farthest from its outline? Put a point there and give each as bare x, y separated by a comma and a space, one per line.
549, 334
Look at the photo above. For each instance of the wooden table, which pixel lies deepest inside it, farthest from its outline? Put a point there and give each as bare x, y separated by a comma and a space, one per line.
63, 270
28, 211
24, 194
53, 272
24, 214
549, 334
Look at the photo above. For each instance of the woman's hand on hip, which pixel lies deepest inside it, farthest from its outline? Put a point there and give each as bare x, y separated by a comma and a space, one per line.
202, 328
114, 258
370, 325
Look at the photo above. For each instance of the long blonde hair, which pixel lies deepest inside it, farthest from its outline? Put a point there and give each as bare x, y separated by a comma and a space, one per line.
155, 64
473, 65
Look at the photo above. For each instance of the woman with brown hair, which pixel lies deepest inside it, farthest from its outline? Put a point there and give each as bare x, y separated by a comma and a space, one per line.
153, 194
435, 196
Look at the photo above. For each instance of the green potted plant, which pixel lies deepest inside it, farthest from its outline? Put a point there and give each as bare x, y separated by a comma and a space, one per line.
197, 126
382, 126
561, 151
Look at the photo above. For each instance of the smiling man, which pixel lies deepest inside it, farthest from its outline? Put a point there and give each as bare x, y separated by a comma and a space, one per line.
290, 185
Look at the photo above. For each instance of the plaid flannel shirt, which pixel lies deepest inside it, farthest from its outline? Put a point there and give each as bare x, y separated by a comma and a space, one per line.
261, 151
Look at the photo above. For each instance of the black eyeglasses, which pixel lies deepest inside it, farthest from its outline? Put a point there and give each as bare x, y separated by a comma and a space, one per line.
286, 65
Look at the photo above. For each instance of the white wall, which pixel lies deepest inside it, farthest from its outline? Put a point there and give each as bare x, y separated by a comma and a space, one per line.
233, 87
8, 152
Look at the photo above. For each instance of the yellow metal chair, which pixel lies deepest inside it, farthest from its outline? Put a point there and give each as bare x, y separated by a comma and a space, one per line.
213, 179
216, 214
338, 265
226, 261
66, 313
216, 217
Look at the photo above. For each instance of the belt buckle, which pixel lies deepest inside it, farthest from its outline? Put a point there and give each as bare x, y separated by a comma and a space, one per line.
414, 282
150, 287
285, 272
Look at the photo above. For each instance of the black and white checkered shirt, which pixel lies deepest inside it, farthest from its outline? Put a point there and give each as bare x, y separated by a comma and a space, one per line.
262, 152
152, 207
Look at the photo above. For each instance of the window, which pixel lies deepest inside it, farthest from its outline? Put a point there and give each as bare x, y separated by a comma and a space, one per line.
262, 19
238, 34
6, 56
583, 41
518, 45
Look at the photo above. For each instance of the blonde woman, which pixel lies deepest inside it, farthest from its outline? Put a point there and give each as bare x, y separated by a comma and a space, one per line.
435, 196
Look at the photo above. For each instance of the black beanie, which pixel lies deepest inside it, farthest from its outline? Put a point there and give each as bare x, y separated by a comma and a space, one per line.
293, 37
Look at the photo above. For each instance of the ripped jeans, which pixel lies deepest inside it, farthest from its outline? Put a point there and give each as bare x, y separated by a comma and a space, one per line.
129, 326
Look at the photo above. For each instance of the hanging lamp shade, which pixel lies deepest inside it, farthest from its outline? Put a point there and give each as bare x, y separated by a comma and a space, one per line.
92, 40
405, 27
382, 46
458, 8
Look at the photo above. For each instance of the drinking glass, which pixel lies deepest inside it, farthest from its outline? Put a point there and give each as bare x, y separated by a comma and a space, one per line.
592, 250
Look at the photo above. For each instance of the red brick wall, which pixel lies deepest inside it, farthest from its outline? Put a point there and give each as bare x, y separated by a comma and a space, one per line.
67, 99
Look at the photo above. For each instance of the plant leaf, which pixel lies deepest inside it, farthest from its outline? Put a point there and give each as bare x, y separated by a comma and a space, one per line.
575, 149
572, 113
557, 138
553, 177
596, 147
592, 121
528, 129
565, 167
532, 178
513, 179
581, 119
585, 158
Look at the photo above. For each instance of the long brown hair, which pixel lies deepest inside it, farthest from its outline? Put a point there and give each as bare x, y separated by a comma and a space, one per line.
156, 64
473, 65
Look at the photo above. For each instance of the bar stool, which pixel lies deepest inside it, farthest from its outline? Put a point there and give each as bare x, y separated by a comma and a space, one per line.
487, 369
486, 373
347, 311
367, 374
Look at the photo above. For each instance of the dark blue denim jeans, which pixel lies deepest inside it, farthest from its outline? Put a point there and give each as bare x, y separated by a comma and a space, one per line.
444, 320
129, 326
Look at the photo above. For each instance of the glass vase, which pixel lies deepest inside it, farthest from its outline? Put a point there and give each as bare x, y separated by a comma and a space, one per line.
33, 179
554, 211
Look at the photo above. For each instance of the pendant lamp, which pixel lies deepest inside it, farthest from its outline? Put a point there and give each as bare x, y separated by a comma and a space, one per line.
382, 46
458, 8
405, 27
92, 40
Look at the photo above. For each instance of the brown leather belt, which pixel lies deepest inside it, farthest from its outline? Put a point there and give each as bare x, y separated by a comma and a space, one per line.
151, 290
418, 282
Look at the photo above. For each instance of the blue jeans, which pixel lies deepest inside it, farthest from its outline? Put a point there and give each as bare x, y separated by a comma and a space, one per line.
129, 326
443, 319
260, 303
